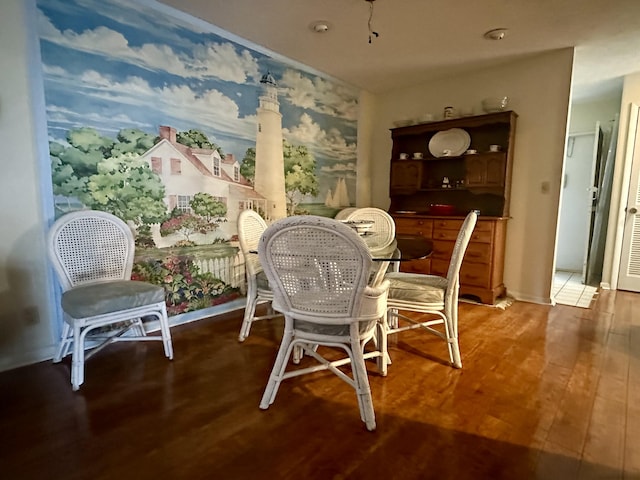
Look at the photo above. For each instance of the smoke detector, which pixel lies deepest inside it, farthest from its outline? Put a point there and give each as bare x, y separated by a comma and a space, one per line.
320, 26
496, 34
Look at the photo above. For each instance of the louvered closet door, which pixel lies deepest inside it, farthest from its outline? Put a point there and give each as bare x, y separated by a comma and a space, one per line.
629, 276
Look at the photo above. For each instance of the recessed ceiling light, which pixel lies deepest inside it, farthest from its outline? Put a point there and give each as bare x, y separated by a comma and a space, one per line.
496, 34
320, 26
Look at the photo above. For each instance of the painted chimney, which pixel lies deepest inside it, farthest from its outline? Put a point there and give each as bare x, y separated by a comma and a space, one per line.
168, 132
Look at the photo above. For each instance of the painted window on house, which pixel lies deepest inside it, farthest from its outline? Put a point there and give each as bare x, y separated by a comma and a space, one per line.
236, 174
184, 203
156, 165
176, 166
216, 166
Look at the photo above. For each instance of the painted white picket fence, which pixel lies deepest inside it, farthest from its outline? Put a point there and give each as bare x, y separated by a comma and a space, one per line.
228, 269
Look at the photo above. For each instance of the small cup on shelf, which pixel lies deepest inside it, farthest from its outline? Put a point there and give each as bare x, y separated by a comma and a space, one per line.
494, 148
404, 156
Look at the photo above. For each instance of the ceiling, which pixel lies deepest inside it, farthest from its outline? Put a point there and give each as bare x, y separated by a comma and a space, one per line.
420, 40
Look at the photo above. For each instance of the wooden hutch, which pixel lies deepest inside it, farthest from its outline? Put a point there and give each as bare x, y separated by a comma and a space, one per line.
479, 181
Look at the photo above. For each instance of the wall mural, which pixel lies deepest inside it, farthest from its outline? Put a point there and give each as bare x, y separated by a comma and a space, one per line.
164, 121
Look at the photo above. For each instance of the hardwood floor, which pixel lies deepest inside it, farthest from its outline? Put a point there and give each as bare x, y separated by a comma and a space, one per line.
545, 392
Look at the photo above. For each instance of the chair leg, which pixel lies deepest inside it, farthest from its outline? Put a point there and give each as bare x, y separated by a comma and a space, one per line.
279, 367
451, 328
77, 358
382, 331
166, 332
361, 381
65, 342
249, 313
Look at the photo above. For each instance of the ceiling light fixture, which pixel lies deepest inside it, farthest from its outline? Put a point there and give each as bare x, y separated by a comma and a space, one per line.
320, 26
371, 32
495, 34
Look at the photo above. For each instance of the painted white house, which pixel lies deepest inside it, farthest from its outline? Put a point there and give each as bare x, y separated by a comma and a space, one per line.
185, 171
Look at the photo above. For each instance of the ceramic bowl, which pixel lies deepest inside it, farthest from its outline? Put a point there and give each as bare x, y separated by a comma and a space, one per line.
441, 209
495, 104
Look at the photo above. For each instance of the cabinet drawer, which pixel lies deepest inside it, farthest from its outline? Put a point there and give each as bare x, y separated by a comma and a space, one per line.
475, 274
451, 235
484, 226
439, 267
414, 226
416, 266
442, 250
482, 237
478, 253
447, 225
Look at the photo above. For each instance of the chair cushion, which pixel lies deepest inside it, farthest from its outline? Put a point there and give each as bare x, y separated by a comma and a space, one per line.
341, 330
416, 287
100, 298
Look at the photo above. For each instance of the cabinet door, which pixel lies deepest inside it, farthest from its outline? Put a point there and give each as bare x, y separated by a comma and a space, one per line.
406, 176
474, 171
485, 170
494, 171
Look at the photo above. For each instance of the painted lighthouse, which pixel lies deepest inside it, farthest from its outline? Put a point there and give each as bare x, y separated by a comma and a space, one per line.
269, 169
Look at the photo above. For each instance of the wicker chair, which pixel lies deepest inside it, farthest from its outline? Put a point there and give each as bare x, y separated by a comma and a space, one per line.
431, 294
318, 269
383, 232
380, 239
250, 228
92, 253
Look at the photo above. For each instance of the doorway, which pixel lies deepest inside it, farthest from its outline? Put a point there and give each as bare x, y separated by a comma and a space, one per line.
584, 212
577, 205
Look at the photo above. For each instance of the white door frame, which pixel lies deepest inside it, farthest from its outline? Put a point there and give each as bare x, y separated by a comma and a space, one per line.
617, 221
631, 281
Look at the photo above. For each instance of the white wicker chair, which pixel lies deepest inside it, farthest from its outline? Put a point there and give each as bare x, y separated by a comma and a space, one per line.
318, 270
383, 232
251, 226
92, 253
345, 212
381, 238
431, 294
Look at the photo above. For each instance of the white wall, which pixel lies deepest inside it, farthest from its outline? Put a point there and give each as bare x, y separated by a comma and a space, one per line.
584, 115
25, 315
539, 90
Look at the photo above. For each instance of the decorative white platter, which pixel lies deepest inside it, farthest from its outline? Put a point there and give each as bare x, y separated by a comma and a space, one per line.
449, 143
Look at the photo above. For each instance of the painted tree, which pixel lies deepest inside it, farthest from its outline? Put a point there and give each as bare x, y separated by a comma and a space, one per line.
211, 211
73, 164
126, 187
207, 214
248, 167
299, 175
185, 224
196, 139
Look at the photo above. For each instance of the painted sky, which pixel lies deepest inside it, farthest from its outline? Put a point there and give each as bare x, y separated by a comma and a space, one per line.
113, 64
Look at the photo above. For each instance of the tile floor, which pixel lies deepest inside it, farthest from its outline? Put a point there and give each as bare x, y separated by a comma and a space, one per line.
568, 289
